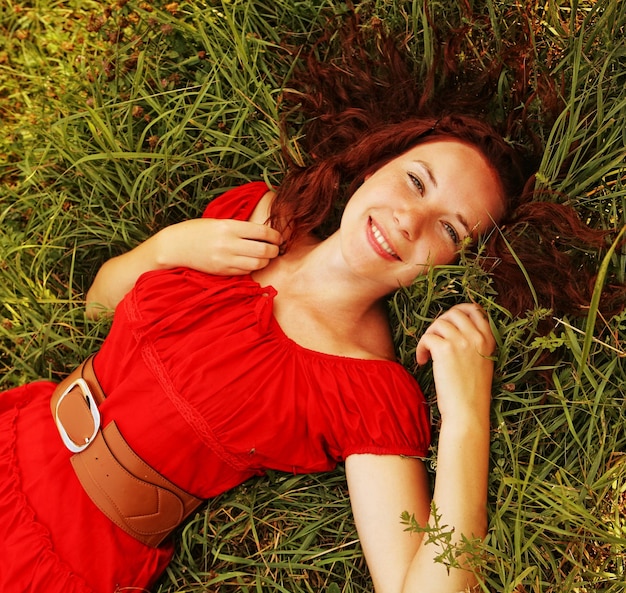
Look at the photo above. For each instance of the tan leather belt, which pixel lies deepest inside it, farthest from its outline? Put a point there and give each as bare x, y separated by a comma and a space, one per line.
125, 488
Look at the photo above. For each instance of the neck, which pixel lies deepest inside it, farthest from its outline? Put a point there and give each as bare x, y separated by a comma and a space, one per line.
323, 307
313, 271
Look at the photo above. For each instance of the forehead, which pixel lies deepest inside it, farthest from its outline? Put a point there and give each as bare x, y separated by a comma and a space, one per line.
451, 149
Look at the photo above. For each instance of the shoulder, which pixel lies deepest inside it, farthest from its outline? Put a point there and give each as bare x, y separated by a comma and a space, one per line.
240, 202
261, 212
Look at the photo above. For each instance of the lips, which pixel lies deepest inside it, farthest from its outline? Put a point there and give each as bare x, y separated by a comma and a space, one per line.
381, 241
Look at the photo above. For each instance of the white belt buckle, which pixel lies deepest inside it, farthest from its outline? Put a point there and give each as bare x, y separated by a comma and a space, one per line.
93, 408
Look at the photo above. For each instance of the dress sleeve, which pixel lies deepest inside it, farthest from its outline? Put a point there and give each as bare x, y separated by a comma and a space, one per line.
394, 420
374, 407
237, 203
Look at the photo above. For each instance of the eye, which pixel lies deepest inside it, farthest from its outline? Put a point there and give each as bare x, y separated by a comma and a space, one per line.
452, 232
417, 182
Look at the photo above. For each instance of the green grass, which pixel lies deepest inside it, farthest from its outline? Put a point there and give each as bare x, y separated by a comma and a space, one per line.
119, 121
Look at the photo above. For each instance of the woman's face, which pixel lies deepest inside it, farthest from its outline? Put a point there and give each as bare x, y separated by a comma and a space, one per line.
414, 212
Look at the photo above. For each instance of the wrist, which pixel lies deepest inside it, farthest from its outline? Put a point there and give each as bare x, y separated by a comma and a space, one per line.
467, 419
465, 434
165, 250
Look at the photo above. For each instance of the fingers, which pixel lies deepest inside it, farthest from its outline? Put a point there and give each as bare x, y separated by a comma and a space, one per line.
239, 247
255, 240
255, 248
467, 320
244, 265
254, 254
463, 328
256, 232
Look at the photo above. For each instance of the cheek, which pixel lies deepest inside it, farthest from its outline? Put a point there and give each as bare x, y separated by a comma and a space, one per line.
439, 253
447, 256
409, 275
432, 252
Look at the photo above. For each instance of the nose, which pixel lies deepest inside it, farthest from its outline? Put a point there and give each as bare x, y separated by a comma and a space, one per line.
410, 221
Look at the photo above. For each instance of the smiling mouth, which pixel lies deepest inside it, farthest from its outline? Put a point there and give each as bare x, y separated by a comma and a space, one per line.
382, 242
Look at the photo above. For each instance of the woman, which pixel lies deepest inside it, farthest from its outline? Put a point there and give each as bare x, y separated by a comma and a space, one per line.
226, 359
409, 214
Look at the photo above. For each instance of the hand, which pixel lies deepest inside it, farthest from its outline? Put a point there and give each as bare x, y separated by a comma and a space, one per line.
219, 246
460, 343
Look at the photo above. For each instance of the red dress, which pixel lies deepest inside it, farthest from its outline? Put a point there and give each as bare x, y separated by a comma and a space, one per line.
206, 387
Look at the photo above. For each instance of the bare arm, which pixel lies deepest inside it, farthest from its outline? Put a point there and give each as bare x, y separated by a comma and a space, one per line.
381, 488
214, 246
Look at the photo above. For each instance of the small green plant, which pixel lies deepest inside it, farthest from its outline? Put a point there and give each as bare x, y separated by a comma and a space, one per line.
436, 534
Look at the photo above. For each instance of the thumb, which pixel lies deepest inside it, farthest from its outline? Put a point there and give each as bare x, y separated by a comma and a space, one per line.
422, 351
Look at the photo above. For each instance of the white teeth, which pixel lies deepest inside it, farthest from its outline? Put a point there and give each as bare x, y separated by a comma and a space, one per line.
381, 241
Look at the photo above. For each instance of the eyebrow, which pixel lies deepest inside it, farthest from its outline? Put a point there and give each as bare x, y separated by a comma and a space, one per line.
429, 173
432, 179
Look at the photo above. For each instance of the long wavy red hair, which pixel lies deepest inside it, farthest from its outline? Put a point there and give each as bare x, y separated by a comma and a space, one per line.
359, 112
